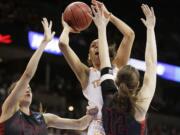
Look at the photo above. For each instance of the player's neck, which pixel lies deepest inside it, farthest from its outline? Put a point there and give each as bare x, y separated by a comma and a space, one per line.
96, 66
25, 110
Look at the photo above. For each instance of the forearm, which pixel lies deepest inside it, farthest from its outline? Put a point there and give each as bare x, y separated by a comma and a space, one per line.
72, 59
125, 47
151, 49
121, 26
64, 37
85, 121
103, 48
64, 123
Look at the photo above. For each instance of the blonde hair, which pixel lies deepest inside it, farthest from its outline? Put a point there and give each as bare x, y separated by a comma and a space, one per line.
127, 81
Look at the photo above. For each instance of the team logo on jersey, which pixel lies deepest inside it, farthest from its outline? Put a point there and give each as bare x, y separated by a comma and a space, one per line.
96, 83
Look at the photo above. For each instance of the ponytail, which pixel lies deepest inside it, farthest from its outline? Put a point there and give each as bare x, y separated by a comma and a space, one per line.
125, 99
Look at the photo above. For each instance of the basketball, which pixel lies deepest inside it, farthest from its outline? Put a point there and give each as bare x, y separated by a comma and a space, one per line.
76, 16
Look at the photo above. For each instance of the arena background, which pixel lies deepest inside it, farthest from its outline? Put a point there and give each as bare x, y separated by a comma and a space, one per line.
55, 85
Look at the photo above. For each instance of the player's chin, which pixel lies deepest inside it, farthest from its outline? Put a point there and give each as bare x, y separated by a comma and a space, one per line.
97, 60
98, 63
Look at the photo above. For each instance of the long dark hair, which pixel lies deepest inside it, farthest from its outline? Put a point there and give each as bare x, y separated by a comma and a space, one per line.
127, 81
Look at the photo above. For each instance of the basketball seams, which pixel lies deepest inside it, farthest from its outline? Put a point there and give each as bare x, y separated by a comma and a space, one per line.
79, 17
83, 12
74, 19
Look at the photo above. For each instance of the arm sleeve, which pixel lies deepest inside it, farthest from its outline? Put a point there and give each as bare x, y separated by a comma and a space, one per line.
107, 81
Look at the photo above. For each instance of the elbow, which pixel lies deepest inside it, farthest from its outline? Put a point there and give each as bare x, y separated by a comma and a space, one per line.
28, 74
152, 61
130, 34
152, 64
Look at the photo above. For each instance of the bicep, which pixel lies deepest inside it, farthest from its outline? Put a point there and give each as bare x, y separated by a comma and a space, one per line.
149, 82
147, 91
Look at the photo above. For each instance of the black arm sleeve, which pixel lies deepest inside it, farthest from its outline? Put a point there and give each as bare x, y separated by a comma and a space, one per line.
107, 85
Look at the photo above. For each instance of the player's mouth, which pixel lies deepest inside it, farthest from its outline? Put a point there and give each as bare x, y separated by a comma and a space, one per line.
96, 53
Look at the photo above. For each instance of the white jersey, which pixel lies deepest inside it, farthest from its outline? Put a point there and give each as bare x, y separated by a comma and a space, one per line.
93, 91
96, 128
93, 94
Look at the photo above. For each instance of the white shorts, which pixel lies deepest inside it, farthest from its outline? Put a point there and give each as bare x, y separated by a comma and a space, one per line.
96, 128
